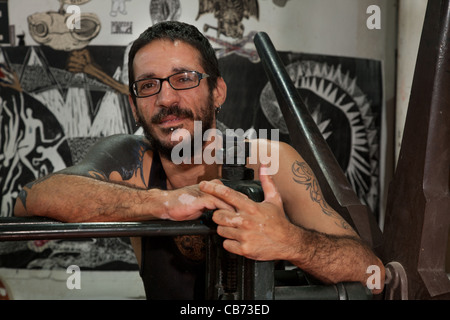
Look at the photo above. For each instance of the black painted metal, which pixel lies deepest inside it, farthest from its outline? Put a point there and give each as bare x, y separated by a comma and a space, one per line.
14, 228
418, 208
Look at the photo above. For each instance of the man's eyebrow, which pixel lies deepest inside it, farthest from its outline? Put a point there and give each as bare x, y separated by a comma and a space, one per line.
174, 70
145, 76
182, 69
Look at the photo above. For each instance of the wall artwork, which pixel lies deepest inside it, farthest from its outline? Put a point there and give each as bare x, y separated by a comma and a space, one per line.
67, 29
4, 23
229, 15
54, 106
118, 7
165, 10
61, 96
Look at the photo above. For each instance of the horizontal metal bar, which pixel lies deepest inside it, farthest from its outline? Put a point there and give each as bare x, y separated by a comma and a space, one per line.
339, 291
15, 228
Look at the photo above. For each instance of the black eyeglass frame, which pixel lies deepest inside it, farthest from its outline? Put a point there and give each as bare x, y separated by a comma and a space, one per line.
161, 81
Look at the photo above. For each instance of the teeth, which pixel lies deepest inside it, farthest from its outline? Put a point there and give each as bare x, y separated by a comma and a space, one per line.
171, 120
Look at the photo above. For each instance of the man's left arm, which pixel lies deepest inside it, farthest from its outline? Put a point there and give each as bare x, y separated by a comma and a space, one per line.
293, 223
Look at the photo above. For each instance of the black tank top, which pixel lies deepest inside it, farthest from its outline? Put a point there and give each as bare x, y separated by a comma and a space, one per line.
172, 268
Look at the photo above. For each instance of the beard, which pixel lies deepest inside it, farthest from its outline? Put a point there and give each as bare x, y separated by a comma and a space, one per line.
206, 116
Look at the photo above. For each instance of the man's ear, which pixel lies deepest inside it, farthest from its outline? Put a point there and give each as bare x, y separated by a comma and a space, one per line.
220, 92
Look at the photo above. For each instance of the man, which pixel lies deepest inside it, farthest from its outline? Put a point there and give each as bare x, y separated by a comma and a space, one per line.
175, 83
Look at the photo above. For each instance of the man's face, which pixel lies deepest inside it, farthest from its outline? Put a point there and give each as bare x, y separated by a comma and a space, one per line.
160, 115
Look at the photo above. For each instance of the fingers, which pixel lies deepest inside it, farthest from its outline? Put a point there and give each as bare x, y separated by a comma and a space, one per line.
188, 194
232, 239
228, 218
228, 233
232, 246
271, 193
217, 189
189, 203
219, 204
230, 196
218, 181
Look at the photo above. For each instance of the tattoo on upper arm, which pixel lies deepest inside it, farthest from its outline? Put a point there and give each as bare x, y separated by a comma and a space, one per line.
304, 175
23, 197
23, 194
124, 159
127, 163
122, 156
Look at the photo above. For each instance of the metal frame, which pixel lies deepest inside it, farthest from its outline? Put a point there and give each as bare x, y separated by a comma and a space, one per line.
256, 279
12, 229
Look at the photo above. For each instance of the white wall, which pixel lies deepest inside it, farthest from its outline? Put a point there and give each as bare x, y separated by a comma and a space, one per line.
335, 27
411, 17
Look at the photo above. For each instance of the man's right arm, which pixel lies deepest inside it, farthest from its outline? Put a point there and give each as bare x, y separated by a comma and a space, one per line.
110, 184
72, 198
84, 192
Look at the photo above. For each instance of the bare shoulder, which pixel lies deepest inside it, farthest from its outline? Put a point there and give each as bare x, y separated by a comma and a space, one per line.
119, 158
302, 197
275, 155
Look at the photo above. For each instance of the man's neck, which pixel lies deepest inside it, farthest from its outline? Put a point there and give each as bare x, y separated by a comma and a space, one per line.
182, 175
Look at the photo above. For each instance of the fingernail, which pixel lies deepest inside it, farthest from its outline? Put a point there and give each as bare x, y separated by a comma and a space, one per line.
204, 184
264, 170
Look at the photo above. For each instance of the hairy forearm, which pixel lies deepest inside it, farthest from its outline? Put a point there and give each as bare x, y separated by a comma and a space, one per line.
71, 198
334, 259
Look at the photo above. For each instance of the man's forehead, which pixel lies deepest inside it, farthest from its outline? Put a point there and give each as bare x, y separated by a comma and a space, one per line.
165, 54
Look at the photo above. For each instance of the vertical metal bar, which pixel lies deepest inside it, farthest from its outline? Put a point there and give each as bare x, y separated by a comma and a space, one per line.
418, 208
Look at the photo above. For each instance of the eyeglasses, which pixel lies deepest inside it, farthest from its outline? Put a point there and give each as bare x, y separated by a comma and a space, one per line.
179, 81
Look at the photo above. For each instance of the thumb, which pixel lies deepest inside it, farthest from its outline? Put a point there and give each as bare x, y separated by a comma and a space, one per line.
271, 193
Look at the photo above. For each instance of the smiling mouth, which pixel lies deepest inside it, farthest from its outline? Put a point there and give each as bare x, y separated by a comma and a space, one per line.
171, 121
171, 117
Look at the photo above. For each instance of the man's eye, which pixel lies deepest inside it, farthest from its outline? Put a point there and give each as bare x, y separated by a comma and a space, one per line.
148, 85
184, 79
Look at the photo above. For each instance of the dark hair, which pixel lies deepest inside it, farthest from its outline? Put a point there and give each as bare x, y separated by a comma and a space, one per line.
174, 30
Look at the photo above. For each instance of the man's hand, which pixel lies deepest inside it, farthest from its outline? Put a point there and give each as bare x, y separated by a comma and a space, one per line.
189, 203
258, 231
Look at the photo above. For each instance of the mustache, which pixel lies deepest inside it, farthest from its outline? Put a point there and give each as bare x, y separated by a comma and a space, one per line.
173, 110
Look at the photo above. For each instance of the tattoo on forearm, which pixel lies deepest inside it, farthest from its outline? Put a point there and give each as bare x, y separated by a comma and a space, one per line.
304, 175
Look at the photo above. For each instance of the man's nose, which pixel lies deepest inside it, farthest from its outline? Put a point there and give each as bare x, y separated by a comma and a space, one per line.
167, 96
